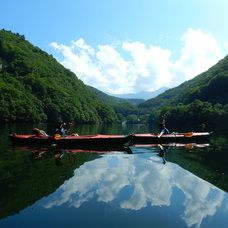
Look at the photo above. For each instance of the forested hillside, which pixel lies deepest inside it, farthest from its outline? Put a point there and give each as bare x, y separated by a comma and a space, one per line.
106, 98
114, 100
203, 99
34, 87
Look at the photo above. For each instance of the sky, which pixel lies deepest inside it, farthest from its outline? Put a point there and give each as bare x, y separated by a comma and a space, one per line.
124, 46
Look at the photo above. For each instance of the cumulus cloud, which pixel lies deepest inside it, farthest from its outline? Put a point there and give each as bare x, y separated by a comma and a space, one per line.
199, 53
132, 67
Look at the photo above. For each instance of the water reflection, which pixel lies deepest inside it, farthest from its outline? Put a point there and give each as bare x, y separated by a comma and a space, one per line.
136, 182
113, 188
163, 150
37, 152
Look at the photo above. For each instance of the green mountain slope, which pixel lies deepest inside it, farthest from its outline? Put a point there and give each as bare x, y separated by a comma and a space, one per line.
202, 100
209, 86
35, 87
106, 98
111, 99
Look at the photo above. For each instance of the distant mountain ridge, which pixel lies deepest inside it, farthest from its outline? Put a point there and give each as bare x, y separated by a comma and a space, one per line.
210, 86
105, 97
202, 100
113, 100
145, 95
34, 87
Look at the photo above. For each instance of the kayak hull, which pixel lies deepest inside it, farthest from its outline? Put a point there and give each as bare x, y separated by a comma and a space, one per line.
73, 140
174, 137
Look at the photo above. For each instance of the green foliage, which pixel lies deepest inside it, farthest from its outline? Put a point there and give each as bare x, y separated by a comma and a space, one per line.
203, 99
135, 101
197, 112
25, 179
132, 119
111, 99
34, 87
209, 86
125, 109
131, 113
106, 98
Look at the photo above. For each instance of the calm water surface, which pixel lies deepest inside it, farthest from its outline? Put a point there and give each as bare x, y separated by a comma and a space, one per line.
180, 185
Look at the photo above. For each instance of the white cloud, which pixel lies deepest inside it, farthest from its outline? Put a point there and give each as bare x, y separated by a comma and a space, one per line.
199, 53
147, 68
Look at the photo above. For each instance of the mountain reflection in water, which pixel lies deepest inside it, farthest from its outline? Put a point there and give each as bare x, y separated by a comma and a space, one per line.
134, 182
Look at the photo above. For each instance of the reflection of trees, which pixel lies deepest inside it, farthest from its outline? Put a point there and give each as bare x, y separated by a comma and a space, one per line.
148, 182
208, 164
27, 181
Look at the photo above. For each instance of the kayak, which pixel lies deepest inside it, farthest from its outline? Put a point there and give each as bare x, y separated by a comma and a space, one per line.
173, 137
73, 140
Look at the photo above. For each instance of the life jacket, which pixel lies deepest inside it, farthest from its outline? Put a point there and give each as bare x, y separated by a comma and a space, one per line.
166, 131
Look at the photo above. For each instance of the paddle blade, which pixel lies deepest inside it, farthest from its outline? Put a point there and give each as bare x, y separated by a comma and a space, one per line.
57, 136
190, 134
188, 146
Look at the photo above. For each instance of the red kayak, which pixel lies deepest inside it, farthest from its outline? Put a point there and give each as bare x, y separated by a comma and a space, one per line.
73, 140
174, 137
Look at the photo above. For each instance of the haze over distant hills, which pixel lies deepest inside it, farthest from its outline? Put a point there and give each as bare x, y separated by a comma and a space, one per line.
141, 95
34, 87
210, 86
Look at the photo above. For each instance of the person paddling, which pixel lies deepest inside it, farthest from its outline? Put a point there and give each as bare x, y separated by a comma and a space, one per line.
60, 128
164, 130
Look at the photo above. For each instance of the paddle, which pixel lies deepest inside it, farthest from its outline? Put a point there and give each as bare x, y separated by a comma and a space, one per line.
190, 134
57, 136
164, 117
189, 146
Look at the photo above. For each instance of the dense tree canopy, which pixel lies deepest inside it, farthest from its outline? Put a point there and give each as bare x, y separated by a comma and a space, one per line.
209, 86
35, 87
203, 99
197, 112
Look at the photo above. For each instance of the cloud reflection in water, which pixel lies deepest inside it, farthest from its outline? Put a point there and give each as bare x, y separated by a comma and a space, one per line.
151, 182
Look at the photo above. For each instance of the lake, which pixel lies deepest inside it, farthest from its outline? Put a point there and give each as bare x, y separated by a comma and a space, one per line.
179, 185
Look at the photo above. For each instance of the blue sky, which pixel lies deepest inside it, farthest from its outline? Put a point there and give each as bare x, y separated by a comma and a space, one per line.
125, 46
